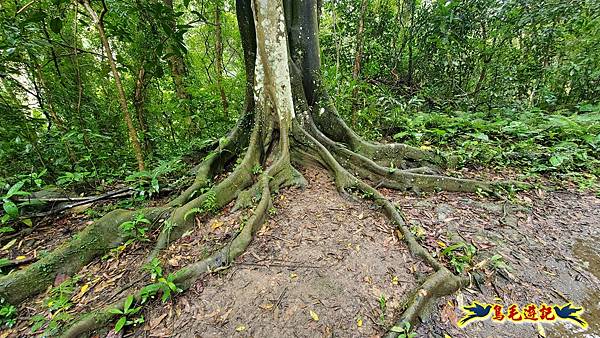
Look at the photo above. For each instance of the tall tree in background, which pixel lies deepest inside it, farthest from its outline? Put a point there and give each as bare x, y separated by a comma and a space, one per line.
219, 56
176, 61
358, 52
133, 137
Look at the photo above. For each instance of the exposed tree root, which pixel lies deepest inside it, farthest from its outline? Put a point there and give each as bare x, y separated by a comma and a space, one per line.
221, 259
96, 239
403, 156
417, 179
222, 152
105, 233
181, 220
442, 282
185, 277
309, 146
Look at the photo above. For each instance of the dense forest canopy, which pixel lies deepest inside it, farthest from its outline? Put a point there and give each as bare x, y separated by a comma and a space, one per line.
513, 63
175, 109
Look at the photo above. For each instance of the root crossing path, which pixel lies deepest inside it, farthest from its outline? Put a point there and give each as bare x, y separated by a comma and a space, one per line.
319, 252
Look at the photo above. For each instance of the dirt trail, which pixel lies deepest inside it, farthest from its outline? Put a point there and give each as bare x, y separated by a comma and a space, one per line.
324, 266
550, 243
319, 253
337, 258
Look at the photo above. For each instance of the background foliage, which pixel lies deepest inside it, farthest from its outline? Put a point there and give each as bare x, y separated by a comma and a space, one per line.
499, 83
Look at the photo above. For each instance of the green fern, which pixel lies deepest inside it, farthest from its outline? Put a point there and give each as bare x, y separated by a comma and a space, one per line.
192, 211
209, 204
210, 201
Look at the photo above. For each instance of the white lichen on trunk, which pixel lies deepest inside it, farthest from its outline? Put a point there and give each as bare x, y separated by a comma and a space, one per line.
272, 86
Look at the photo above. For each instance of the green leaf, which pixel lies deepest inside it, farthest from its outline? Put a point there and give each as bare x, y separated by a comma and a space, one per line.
116, 312
11, 208
155, 185
128, 303
21, 193
28, 222
6, 229
556, 160
120, 324
481, 136
135, 310
13, 190
166, 294
192, 211
56, 25
452, 248
397, 329
38, 321
4, 262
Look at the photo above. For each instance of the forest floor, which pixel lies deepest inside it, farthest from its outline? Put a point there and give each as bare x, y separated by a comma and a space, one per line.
325, 265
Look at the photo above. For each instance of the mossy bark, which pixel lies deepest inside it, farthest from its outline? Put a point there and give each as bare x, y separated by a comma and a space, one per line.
96, 239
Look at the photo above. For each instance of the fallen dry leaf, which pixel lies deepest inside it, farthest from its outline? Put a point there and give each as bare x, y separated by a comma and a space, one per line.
216, 224
85, 288
448, 313
266, 306
155, 322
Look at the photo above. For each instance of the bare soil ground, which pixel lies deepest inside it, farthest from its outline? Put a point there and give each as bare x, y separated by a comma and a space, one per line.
549, 240
324, 265
337, 258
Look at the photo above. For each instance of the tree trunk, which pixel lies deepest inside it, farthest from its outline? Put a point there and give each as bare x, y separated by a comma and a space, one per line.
358, 58
139, 101
176, 62
121, 92
219, 58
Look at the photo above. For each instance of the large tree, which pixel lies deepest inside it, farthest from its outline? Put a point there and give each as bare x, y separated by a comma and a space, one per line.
288, 121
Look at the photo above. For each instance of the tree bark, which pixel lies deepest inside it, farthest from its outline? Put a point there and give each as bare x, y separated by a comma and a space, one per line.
121, 92
358, 58
176, 62
219, 57
139, 101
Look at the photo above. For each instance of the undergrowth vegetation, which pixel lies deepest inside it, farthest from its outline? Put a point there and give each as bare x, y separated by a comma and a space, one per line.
497, 84
564, 142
